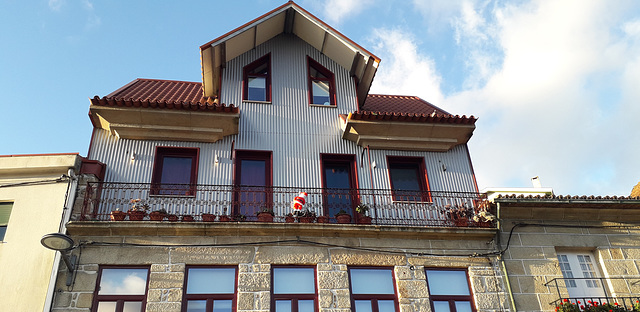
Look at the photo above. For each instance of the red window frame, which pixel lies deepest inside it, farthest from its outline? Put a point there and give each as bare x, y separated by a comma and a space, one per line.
450, 298
209, 297
294, 297
247, 73
119, 299
311, 63
373, 297
158, 164
421, 175
237, 173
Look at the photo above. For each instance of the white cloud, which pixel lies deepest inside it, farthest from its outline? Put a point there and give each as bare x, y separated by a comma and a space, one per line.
403, 70
56, 5
93, 20
336, 10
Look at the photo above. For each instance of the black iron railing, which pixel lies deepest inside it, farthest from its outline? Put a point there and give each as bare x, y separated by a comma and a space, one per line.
622, 293
386, 207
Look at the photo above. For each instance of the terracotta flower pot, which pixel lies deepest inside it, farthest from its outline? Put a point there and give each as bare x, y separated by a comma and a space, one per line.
136, 215
323, 219
172, 218
289, 219
208, 217
306, 219
265, 217
156, 216
118, 215
461, 222
224, 218
187, 218
364, 220
343, 218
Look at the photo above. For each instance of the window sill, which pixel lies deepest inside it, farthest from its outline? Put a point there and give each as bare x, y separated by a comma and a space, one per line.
256, 102
320, 105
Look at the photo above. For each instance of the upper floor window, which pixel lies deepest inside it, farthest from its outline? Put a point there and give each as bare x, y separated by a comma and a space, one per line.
373, 290
321, 84
449, 290
175, 171
408, 177
121, 289
257, 80
5, 212
293, 289
210, 289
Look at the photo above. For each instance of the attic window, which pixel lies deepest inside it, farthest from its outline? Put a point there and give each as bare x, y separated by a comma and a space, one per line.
321, 85
257, 80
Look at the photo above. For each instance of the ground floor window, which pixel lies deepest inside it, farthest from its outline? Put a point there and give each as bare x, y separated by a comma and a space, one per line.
121, 289
210, 289
293, 289
5, 212
373, 290
449, 290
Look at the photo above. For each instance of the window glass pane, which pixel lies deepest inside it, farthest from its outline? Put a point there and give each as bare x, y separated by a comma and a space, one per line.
106, 306
132, 306
371, 281
257, 89
293, 281
305, 305
405, 177
3, 230
441, 306
196, 305
5, 212
211, 281
463, 306
447, 282
176, 170
222, 306
320, 92
283, 305
314, 73
123, 282
386, 306
363, 306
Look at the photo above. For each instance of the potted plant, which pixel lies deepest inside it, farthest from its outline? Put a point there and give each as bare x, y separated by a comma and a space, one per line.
157, 215
224, 217
172, 218
186, 218
208, 217
307, 216
117, 215
289, 218
343, 217
322, 219
265, 215
459, 214
363, 214
138, 211
239, 217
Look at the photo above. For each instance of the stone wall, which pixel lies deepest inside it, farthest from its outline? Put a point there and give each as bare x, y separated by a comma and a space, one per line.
531, 258
167, 268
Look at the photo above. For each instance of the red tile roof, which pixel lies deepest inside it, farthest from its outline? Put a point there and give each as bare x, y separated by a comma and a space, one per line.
168, 94
406, 108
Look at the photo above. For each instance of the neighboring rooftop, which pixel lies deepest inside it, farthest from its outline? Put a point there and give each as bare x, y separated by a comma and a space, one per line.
381, 103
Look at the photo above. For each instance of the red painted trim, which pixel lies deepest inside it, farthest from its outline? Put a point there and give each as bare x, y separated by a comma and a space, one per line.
311, 63
209, 297
52, 154
374, 297
161, 152
425, 189
451, 298
119, 298
245, 76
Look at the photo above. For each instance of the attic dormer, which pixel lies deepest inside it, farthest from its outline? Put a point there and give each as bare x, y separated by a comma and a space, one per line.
290, 19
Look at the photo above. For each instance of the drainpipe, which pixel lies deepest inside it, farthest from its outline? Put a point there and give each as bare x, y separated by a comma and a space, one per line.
501, 260
66, 215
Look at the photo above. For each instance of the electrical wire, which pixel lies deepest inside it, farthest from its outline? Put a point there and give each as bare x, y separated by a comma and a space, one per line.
63, 178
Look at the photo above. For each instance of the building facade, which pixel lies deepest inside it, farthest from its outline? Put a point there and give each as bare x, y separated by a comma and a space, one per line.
390, 216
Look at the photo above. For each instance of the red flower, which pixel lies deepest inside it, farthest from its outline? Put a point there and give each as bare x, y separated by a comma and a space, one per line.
610, 310
578, 302
565, 300
615, 303
581, 307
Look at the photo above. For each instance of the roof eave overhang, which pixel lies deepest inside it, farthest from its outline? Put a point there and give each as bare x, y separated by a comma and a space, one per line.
397, 134
288, 18
164, 124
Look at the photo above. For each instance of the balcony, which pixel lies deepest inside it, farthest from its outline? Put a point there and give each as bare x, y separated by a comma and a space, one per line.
618, 293
386, 207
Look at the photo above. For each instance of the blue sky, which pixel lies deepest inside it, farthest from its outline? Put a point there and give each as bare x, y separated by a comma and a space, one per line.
554, 83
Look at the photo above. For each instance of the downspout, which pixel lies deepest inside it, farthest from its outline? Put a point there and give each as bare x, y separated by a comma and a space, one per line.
501, 260
66, 215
